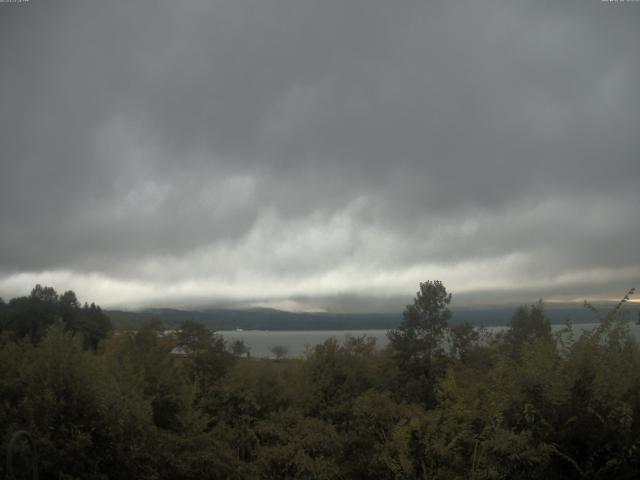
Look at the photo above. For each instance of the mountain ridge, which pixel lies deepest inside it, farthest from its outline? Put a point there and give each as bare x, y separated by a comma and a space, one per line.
262, 318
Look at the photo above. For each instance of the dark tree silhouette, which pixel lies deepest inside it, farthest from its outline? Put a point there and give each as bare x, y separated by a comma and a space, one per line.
418, 341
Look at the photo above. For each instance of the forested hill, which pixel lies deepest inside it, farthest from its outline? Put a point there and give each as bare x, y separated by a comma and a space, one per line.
258, 319
270, 319
438, 401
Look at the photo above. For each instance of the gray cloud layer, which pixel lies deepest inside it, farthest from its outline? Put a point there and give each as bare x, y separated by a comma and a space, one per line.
319, 154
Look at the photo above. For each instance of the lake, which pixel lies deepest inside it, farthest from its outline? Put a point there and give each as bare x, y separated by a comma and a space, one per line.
261, 341
296, 341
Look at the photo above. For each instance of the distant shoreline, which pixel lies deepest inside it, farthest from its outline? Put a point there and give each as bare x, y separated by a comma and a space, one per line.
277, 320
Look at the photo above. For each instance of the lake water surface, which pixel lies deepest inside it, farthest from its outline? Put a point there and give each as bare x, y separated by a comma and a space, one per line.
261, 341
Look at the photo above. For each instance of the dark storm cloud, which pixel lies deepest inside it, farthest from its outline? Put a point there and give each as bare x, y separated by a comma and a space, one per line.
281, 150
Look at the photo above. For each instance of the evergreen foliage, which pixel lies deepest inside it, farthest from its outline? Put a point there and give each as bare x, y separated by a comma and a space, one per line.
30, 317
438, 403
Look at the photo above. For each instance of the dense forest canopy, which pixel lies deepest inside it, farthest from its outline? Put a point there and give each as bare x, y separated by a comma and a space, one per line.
30, 317
439, 402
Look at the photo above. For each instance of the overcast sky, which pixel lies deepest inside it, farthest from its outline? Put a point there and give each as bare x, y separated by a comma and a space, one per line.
324, 154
